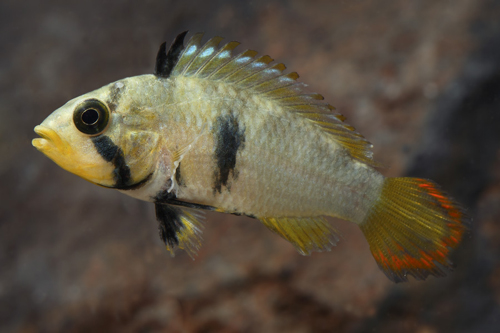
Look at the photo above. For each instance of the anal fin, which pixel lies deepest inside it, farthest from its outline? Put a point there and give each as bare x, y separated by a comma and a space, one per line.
179, 227
307, 234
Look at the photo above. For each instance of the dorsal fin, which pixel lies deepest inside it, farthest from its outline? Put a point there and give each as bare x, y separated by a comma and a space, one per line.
166, 61
247, 71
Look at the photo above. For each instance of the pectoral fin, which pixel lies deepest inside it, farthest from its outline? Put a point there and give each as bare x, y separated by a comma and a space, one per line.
179, 227
306, 234
177, 156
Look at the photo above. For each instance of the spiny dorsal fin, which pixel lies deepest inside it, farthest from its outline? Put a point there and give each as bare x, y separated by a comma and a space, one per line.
307, 234
166, 61
246, 71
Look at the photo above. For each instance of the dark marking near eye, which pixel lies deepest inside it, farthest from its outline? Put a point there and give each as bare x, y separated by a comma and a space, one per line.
169, 223
166, 197
114, 96
166, 61
114, 154
228, 139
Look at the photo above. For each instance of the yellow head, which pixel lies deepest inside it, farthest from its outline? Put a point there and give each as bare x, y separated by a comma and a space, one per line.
105, 136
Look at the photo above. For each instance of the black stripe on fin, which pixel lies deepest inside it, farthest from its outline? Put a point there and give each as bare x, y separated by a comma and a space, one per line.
166, 197
166, 61
169, 224
114, 154
179, 228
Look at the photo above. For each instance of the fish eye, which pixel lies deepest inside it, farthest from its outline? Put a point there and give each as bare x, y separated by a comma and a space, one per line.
91, 117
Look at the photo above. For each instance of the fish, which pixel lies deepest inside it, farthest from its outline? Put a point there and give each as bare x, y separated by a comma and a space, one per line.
216, 130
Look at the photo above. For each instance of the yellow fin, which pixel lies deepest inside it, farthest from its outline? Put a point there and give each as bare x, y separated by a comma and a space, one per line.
412, 228
205, 54
222, 56
179, 227
246, 71
307, 234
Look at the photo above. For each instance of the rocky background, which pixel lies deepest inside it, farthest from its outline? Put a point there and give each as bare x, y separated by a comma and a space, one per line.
420, 79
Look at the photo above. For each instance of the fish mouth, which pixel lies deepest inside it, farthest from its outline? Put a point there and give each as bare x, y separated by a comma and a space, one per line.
55, 147
48, 138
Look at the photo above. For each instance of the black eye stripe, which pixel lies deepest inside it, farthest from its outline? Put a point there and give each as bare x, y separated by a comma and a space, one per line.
91, 117
114, 154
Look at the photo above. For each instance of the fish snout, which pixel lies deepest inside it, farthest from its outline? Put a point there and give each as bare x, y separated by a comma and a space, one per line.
48, 138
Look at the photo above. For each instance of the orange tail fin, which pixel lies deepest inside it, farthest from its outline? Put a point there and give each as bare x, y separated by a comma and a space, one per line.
412, 227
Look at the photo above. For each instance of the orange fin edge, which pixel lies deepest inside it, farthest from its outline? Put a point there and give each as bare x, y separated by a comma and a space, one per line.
412, 229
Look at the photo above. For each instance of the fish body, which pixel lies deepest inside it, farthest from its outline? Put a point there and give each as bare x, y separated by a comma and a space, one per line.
243, 153
234, 134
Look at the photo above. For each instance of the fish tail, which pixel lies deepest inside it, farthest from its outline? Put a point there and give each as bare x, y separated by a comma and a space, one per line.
412, 227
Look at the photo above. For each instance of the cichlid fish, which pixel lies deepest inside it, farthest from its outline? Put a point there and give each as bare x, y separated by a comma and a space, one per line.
232, 133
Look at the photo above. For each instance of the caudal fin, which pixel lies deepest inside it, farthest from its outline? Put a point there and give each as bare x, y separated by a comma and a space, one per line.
412, 227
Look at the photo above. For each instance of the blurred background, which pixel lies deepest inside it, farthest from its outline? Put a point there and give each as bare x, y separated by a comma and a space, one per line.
420, 80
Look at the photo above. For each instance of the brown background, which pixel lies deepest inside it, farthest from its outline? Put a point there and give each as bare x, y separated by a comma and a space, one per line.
420, 79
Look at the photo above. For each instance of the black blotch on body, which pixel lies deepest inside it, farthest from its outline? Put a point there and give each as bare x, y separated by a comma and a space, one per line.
166, 61
178, 178
165, 196
169, 223
228, 139
114, 154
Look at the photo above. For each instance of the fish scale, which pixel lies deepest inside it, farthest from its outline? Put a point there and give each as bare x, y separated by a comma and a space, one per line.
308, 192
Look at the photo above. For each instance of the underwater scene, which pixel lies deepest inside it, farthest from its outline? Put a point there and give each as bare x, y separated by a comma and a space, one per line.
342, 177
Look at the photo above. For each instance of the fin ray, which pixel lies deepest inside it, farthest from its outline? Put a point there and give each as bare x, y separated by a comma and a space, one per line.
251, 69
205, 54
233, 65
166, 61
307, 234
220, 58
179, 227
412, 228
188, 54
